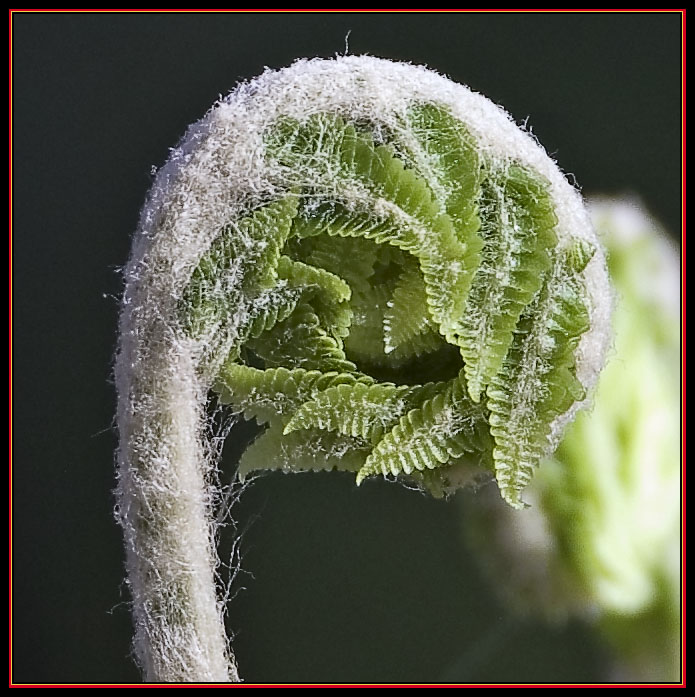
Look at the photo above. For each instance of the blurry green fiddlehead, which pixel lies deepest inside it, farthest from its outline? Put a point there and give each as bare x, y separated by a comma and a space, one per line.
602, 540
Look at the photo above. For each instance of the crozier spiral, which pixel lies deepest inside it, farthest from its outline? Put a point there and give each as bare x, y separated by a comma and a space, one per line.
375, 263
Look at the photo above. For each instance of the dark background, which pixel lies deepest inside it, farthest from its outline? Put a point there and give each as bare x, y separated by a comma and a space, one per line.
348, 585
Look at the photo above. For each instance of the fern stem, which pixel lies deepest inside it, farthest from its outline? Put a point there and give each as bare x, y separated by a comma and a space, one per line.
164, 508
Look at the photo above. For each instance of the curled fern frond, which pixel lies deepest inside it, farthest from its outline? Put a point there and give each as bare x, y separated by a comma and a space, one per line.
387, 250
378, 266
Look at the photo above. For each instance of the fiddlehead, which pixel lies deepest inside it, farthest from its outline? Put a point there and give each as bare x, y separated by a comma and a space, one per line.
374, 262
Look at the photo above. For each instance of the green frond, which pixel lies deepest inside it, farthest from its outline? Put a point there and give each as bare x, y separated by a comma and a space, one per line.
359, 410
445, 154
362, 409
445, 427
518, 230
327, 293
409, 330
267, 309
300, 342
301, 275
350, 258
537, 381
384, 202
275, 393
302, 452
240, 264
366, 341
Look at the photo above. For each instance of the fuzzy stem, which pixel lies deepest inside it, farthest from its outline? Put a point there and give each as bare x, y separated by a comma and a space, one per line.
180, 634
170, 557
165, 486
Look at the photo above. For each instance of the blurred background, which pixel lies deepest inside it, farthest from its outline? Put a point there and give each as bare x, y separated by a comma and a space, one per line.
338, 584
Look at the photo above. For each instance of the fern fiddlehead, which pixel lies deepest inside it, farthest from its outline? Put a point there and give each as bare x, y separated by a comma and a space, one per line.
377, 265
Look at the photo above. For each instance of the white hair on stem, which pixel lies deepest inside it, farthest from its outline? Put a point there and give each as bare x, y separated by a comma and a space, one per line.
216, 176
